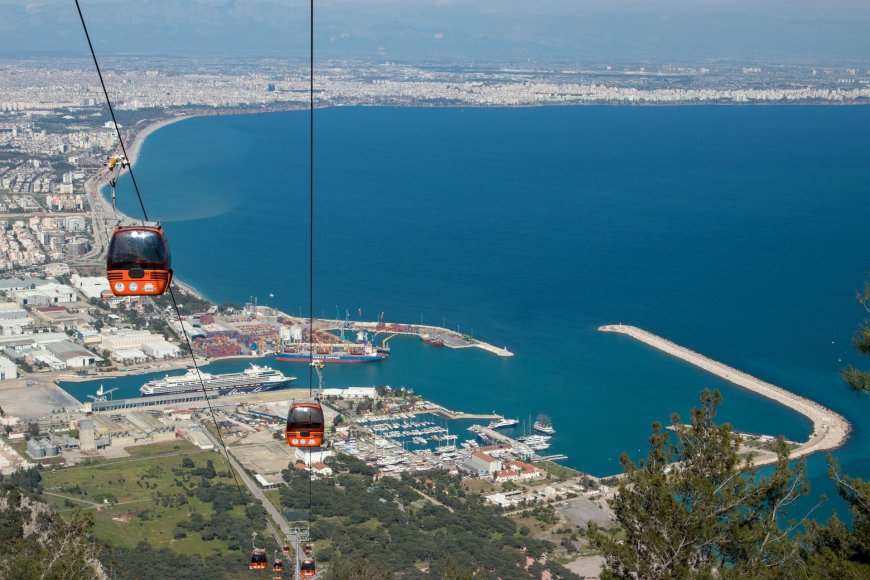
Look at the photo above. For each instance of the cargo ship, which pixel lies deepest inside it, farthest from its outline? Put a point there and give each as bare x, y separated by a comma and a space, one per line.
254, 379
338, 353
432, 339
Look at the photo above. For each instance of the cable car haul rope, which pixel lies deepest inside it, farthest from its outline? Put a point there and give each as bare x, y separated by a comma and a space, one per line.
138, 263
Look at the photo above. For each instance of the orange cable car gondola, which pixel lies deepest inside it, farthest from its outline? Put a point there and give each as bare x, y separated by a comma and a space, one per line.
259, 560
307, 569
278, 566
138, 262
308, 549
304, 425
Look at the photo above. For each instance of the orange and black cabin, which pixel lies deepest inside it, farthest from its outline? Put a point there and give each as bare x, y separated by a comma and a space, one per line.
304, 425
307, 569
278, 566
138, 262
308, 549
259, 560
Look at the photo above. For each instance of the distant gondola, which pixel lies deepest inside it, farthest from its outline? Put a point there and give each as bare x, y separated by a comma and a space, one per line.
304, 425
308, 549
278, 566
138, 261
259, 560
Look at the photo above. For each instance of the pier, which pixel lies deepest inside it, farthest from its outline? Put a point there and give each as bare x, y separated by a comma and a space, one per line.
557, 457
494, 435
436, 409
830, 429
451, 338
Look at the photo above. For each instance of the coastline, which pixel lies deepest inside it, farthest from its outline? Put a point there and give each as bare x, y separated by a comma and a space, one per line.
830, 429
97, 182
137, 138
102, 207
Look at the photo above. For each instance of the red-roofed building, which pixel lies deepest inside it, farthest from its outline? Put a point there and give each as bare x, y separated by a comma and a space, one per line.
321, 469
523, 469
482, 464
506, 475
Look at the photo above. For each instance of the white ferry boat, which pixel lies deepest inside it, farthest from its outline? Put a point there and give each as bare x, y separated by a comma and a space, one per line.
502, 423
254, 379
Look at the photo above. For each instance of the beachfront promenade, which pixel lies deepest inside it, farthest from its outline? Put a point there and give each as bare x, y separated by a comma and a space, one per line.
830, 430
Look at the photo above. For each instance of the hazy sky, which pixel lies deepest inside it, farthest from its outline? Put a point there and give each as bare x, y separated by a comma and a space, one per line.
450, 30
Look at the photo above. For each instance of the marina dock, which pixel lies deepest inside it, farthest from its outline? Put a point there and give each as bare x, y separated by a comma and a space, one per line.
830, 429
493, 435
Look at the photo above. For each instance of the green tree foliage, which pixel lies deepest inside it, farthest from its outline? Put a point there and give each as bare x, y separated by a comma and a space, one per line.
35, 543
145, 562
834, 550
384, 528
27, 479
857, 379
693, 509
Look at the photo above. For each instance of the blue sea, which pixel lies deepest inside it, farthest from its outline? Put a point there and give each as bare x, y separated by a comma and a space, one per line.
739, 232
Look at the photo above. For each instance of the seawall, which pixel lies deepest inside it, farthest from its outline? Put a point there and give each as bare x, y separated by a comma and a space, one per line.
830, 429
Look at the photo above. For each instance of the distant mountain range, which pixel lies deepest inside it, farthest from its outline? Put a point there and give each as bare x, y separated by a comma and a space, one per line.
447, 30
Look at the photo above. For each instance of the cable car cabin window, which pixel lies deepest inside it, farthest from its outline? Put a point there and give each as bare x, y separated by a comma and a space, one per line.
138, 248
305, 419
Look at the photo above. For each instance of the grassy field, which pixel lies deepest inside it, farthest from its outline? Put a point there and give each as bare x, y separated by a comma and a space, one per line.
123, 525
131, 486
558, 472
481, 486
125, 480
177, 446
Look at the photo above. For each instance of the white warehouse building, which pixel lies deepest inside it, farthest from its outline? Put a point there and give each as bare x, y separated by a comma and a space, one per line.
8, 370
152, 345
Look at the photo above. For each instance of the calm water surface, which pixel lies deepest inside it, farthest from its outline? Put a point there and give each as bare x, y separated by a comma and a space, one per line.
739, 232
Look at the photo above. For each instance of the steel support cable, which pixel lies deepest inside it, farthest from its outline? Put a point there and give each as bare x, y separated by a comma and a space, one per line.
311, 199
310, 235
171, 293
111, 109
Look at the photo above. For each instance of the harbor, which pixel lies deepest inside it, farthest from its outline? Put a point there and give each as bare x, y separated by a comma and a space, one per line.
434, 335
415, 441
830, 429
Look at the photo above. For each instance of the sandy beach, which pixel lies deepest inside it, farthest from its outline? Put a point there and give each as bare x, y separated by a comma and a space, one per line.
133, 143
830, 429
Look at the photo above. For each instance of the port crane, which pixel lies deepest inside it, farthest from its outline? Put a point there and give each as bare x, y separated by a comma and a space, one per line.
101, 395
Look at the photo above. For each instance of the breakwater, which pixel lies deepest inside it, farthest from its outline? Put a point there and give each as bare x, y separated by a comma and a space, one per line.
830, 429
